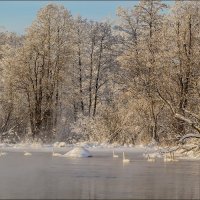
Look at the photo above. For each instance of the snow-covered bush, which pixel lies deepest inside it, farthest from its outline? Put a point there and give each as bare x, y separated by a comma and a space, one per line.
113, 124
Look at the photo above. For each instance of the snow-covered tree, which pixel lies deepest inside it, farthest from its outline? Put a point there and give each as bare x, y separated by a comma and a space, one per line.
140, 28
180, 67
39, 65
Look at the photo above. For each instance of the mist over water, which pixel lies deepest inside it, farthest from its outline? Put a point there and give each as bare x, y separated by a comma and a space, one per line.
100, 177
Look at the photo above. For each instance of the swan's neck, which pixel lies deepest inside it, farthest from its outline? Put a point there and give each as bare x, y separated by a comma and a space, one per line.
123, 156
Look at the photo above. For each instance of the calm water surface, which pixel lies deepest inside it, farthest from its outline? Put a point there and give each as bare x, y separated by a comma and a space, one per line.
42, 176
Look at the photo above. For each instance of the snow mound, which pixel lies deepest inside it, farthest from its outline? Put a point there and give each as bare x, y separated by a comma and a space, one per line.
3, 145
36, 145
78, 152
56, 154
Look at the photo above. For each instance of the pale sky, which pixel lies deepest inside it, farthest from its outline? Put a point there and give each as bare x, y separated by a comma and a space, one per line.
15, 16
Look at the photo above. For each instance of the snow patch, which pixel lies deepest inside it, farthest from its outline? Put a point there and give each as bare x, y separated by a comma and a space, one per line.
3, 145
59, 144
56, 154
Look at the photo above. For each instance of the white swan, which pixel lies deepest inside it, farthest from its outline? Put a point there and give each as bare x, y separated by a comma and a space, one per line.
27, 154
150, 159
56, 154
125, 159
2, 153
115, 155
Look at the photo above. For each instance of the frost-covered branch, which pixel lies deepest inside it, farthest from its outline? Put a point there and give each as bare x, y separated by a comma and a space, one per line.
190, 135
188, 121
192, 114
166, 101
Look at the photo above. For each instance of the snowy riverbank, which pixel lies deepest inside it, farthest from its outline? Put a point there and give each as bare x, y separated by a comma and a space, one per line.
62, 147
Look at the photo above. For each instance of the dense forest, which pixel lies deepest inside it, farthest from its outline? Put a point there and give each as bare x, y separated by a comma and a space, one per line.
129, 82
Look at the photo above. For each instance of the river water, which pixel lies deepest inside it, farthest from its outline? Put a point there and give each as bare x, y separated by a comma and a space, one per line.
42, 176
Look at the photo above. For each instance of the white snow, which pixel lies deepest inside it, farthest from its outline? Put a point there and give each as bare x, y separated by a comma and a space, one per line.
3, 145
56, 154
78, 152
59, 144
